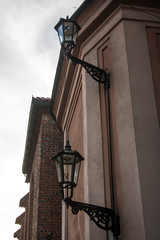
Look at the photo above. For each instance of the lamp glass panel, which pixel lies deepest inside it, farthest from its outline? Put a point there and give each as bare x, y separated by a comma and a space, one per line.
58, 168
68, 30
60, 33
68, 173
76, 172
75, 33
68, 161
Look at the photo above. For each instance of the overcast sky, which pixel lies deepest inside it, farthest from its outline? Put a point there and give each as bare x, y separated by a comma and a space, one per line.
29, 51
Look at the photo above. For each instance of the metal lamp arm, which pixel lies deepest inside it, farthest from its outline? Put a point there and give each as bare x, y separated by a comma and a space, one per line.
96, 73
104, 218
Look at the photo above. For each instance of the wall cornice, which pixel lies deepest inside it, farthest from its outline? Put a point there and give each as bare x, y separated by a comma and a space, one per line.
90, 17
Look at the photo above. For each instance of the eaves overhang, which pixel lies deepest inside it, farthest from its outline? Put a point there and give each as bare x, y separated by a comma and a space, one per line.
60, 63
17, 234
20, 219
24, 201
38, 105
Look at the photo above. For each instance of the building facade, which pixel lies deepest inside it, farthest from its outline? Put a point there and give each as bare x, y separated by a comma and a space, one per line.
123, 38
42, 216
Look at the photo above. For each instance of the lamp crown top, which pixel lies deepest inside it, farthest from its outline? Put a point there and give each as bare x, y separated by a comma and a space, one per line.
68, 146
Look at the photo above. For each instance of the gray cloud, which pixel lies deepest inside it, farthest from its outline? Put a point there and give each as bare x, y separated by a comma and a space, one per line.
29, 51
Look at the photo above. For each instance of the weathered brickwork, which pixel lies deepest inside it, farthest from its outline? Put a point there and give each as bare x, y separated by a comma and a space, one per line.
49, 211
42, 217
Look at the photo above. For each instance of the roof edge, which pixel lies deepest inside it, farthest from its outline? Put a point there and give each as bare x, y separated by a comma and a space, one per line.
33, 125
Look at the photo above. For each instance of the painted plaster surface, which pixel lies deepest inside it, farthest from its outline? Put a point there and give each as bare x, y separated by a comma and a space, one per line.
94, 181
146, 125
76, 222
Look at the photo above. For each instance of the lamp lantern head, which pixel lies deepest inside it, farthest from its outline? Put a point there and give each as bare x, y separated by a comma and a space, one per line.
68, 164
67, 32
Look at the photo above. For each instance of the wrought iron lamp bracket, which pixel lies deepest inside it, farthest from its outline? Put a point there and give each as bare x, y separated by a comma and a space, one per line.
104, 218
96, 73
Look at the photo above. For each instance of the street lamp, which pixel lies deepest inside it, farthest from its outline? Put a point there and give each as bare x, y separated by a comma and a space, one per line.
104, 218
67, 30
68, 164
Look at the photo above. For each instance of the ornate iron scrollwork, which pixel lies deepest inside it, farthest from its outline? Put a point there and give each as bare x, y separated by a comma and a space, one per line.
104, 218
96, 73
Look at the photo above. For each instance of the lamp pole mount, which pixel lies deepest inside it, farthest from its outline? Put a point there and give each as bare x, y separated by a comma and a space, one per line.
96, 73
67, 161
104, 218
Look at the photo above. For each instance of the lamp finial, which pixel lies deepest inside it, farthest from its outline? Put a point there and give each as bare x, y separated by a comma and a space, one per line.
68, 146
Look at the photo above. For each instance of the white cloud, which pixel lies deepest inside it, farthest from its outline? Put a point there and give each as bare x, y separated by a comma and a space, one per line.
29, 51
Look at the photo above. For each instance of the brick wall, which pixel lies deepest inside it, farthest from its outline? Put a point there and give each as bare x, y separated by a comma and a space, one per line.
42, 219
45, 199
49, 209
